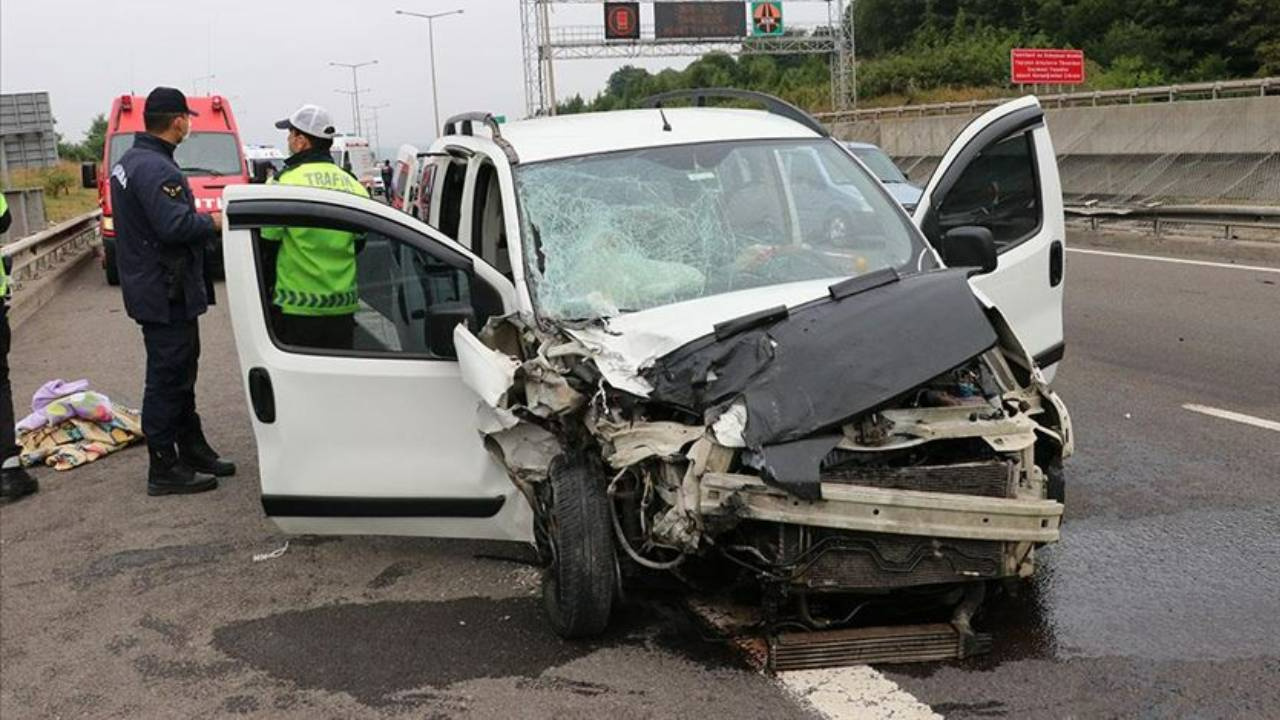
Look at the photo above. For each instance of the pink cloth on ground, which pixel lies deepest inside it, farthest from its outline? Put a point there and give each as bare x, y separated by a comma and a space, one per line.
48, 393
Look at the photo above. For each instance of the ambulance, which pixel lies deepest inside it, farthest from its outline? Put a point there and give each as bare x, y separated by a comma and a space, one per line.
354, 155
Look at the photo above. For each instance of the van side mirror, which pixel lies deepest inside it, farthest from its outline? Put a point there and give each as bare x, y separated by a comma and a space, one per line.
441, 319
89, 175
970, 246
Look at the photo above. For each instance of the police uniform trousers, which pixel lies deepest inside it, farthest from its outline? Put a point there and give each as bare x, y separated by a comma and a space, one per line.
8, 441
173, 361
329, 332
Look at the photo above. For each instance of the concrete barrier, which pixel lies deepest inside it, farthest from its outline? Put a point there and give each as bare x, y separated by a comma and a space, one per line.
27, 208
1225, 150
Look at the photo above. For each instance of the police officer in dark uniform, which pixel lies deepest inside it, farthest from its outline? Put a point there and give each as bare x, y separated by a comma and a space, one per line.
161, 241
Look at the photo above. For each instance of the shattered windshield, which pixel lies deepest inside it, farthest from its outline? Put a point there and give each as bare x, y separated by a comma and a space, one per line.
631, 230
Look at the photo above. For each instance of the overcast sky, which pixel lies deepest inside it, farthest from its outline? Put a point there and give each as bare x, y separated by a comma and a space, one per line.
270, 56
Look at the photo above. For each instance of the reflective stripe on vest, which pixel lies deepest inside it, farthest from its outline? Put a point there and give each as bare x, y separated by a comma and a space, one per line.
315, 301
4, 276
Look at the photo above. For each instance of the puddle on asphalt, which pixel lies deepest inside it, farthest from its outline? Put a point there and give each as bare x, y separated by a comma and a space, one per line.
375, 651
1198, 585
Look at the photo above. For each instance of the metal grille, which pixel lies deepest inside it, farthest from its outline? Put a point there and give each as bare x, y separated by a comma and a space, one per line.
871, 561
858, 646
986, 479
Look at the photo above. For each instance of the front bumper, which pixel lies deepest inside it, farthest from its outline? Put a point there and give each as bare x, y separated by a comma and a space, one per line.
877, 510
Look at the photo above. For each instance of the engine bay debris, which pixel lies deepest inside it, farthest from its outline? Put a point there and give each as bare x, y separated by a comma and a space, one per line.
889, 438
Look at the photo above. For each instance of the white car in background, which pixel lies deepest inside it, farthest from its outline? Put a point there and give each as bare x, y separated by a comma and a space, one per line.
882, 166
264, 162
614, 338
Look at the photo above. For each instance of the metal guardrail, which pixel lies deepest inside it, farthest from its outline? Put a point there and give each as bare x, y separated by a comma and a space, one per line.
1231, 218
49, 252
1096, 98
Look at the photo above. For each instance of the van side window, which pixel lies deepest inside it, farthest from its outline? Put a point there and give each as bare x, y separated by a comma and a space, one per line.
451, 187
421, 207
488, 226
406, 301
998, 191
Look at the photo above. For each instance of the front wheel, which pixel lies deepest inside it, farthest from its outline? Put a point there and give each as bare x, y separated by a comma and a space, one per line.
579, 582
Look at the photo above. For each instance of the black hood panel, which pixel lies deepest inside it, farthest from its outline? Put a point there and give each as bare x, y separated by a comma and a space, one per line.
830, 360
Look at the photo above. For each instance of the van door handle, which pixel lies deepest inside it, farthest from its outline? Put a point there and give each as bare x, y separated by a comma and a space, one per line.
262, 395
1057, 262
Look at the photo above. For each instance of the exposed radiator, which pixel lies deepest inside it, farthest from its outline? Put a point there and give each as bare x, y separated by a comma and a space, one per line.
986, 479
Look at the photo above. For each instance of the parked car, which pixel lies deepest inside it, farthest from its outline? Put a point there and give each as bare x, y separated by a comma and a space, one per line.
404, 178
613, 337
882, 166
263, 162
420, 206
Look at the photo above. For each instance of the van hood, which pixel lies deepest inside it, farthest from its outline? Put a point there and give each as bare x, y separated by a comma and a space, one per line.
625, 345
796, 373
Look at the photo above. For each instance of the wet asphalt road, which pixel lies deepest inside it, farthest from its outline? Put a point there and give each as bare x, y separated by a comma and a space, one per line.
1163, 600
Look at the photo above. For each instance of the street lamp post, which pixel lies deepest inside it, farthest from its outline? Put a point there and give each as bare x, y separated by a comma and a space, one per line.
352, 98
376, 142
355, 89
431, 42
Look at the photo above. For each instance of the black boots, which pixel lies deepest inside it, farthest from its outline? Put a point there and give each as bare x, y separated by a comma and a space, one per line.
15, 483
168, 476
195, 453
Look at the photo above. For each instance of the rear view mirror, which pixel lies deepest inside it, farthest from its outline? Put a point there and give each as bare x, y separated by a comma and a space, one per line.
89, 175
970, 246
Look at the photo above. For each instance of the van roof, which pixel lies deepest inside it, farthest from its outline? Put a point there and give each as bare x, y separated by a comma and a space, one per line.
562, 136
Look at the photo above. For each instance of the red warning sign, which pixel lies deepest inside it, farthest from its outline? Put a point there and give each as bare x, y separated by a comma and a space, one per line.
622, 21
1029, 66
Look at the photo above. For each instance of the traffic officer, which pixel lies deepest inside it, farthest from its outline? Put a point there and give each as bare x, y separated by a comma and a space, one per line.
161, 241
14, 481
315, 296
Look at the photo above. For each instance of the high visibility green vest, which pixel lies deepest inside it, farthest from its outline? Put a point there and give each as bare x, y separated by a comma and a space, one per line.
316, 267
4, 276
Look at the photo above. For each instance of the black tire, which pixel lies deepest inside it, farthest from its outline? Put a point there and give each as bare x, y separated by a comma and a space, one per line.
579, 583
1056, 482
109, 262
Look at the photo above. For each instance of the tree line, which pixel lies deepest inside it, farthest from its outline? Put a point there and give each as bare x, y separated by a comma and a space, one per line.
90, 148
931, 50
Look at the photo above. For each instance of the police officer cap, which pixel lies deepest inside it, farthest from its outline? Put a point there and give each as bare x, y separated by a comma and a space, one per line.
310, 120
167, 100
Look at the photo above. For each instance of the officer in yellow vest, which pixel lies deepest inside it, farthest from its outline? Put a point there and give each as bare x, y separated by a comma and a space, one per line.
14, 481
315, 296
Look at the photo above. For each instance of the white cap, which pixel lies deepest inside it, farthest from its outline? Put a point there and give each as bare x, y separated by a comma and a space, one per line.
312, 120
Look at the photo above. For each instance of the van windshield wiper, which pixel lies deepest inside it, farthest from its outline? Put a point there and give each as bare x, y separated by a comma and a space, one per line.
201, 171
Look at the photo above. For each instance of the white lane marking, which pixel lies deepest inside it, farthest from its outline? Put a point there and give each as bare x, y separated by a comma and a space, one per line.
1176, 261
855, 693
1233, 416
